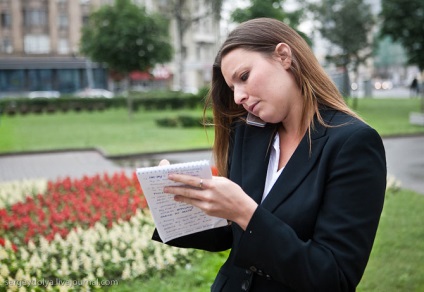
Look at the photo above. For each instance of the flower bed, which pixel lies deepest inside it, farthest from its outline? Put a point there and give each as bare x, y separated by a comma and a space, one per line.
81, 234
17, 191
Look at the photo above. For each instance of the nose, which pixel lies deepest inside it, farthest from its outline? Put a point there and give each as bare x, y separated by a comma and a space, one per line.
240, 95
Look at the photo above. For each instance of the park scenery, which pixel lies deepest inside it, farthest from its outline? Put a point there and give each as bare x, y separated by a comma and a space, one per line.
127, 78
94, 233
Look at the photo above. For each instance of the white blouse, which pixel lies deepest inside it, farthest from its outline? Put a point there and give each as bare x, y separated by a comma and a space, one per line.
273, 173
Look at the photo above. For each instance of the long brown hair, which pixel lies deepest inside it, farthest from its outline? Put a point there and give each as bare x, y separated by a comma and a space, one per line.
262, 35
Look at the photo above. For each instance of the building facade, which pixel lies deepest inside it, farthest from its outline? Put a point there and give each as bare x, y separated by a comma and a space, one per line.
39, 47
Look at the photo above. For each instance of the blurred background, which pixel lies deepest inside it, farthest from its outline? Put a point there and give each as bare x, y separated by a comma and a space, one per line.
92, 89
365, 45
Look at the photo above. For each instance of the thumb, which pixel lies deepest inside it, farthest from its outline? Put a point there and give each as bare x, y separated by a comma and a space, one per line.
164, 162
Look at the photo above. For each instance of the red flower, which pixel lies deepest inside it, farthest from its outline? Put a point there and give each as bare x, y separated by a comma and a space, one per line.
3, 243
214, 171
70, 203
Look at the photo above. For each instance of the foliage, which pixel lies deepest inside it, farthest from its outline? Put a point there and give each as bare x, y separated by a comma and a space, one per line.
126, 38
184, 121
82, 234
271, 9
347, 25
147, 100
403, 21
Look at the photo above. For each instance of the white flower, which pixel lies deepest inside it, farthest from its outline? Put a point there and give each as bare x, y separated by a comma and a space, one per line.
24, 254
31, 245
17, 191
129, 254
53, 264
4, 271
3, 254
100, 273
393, 183
20, 275
75, 266
64, 267
97, 259
126, 274
35, 261
116, 257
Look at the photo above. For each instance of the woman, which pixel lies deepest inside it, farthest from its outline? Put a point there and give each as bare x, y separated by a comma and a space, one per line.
305, 192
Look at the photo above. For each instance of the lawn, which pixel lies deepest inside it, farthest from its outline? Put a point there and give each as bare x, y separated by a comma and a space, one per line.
389, 116
111, 131
397, 259
114, 133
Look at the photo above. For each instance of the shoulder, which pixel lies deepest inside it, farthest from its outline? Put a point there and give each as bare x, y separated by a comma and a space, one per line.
344, 125
343, 130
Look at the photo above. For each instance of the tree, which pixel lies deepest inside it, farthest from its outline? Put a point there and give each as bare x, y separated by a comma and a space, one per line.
404, 22
126, 38
272, 9
185, 17
347, 25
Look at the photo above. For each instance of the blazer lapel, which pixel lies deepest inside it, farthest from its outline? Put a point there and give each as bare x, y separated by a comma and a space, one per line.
298, 167
255, 159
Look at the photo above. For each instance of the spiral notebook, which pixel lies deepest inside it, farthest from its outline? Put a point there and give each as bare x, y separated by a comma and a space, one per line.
175, 219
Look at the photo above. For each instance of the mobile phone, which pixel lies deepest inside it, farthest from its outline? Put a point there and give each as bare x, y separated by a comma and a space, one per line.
255, 121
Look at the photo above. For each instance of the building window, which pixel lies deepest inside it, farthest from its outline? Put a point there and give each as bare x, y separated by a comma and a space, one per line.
63, 46
6, 20
36, 17
37, 44
40, 79
12, 80
68, 80
63, 20
85, 19
6, 46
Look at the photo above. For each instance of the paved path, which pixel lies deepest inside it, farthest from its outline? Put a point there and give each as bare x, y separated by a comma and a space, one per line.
405, 161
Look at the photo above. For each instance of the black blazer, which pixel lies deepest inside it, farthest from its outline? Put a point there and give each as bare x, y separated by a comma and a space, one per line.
315, 229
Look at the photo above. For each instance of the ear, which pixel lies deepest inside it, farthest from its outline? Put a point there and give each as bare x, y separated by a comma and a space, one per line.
283, 52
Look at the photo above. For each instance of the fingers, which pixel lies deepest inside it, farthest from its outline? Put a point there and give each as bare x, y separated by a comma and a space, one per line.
164, 162
189, 180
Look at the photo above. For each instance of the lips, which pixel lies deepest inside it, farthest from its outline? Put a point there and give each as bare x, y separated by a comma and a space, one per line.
251, 108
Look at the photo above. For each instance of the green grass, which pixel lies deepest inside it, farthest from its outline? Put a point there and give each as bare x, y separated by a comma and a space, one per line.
111, 131
397, 259
196, 277
389, 116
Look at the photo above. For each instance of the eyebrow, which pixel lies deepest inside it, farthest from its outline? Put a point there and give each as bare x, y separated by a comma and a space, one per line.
234, 76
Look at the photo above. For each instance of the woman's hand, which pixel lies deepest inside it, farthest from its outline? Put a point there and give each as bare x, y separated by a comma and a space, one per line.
219, 197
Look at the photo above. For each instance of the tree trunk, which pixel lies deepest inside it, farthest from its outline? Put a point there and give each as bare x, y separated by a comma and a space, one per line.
125, 90
346, 85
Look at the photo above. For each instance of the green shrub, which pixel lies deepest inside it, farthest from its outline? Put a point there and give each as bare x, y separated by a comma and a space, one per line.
167, 122
155, 100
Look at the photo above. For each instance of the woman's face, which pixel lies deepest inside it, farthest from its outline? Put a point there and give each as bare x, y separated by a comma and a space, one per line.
264, 86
